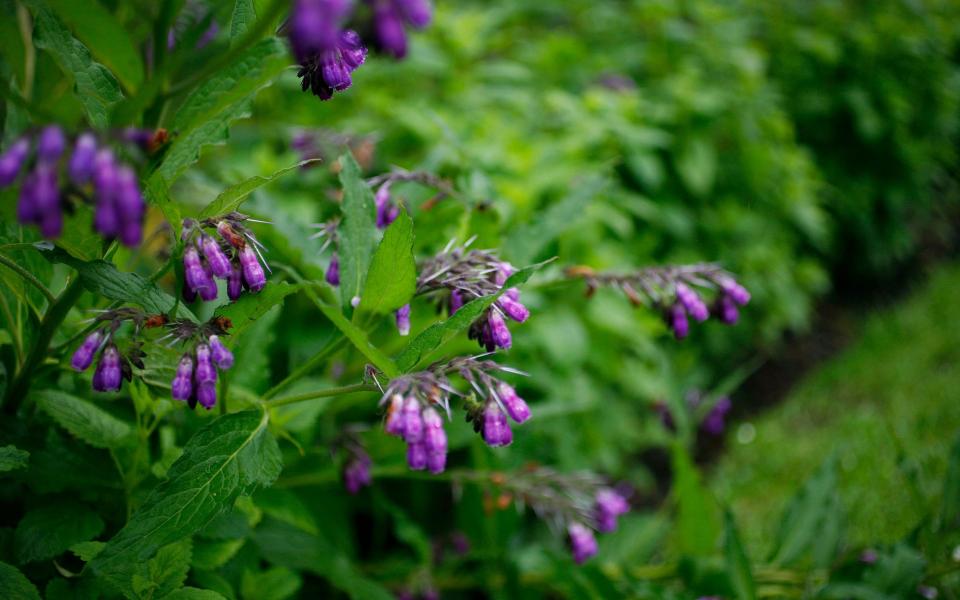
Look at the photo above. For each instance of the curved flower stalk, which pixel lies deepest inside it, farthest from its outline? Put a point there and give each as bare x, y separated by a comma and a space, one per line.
113, 363
221, 248
578, 504
90, 169
674, 291
195, 380
457, 275
415, 402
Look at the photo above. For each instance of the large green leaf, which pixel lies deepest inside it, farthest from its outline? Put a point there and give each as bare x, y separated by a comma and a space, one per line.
49, 531
358, 229
231, 198
109, 42
278, 583
437, 334
392, 277
697, 519
813, 520
738, 565
244, 312
84, 419
96, 87
232, 455
12, 458
165, 572
192, 593
103, 278
13, 584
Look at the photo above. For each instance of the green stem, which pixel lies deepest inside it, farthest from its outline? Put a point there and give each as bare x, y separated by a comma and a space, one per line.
54, 316
30, 277
315, 361
14, 330
327, 393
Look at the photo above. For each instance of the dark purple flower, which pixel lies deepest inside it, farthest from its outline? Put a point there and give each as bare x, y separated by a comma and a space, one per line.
130, 207
735, 291
314, 26
677, 321
253, 273
12, 161
514, 404
692, 303
108, 375
608, 506
137, 136
356, 472
106, 219
434, 441
207, 394
218, 261
40, 201
235, 282
583, 544
182, 386
204, 371
330, 70
196, 277
83, 357
726, 309
496, 430
387, 211
714, 422
403, 319
393, 423
456, 301
391, 36
80, 167
50, 144
220, 354
417, 456
416, 12
412, 421
499, 334
333, 271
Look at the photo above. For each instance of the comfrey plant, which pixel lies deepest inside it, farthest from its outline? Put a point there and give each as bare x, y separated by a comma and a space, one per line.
93, 174
221, 248
673, 291
195, 380
114, 364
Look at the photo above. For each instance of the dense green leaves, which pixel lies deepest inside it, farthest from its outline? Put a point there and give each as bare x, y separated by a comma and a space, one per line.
13, 584
84, 419
49, 531
357, 230
96, 87
244, 312
231, 456
165, 572
231, 198
813, 521
392, 278
12, 458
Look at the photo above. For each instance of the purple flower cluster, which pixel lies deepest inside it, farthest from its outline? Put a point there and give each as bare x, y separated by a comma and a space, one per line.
113, 365
108, 375
421, 427
94, 174
327, 53
230, 252
608, 506
672, 289
195, 380
387, 209
390, 18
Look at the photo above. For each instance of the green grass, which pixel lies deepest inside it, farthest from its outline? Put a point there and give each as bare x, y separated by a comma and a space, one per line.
895, 392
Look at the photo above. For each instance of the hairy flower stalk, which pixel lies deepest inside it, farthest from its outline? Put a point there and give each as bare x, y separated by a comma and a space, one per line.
195, 379
676, 292
113, 363
221, 248
89, 173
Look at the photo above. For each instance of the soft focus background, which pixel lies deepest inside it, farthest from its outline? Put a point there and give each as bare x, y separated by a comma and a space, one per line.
809, 146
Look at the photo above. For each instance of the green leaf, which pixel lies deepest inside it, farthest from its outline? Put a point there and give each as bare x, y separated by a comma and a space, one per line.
244, 312
738, 565
205, 116
84, 419
278, 583
231, 198
286, 506
13, 584
213, 554
252, 350
697, 165
438, 334
697, 527
86, 551
290, 547
358, 230
392, 277
232, 455
165, 572
103, 279
49, 531
192, 593
244, 14
813, 520
12, 458
104, 36
96, 87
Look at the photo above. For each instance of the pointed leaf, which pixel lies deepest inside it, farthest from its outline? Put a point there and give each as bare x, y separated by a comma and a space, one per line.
250, 307
47, 532
392, 277
165, 572
14, 584
231, 198
358, 229
738, 565
84, 419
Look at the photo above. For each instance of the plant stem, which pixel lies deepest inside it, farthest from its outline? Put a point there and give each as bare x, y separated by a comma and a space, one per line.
327, 393
30, 277
54, 316
306, 367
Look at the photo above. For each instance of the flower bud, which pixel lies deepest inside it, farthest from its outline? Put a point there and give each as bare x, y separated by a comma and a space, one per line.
204, 371
182, 386
727, 309
412, 421
50, 144
235, 282
692, 303
356, 473
80, 167
677, 321
403, 319
12, 161
583, 544
130, 207
218, 261
737, 292
107, 377
83, 357
389, 29
516, 407
207, 394
393, 424
608, 506
416, 456
252, 271
513, 308
499, 334
220, 354
496, 430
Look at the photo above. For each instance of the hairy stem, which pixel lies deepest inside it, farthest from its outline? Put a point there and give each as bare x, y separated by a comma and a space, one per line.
29, 277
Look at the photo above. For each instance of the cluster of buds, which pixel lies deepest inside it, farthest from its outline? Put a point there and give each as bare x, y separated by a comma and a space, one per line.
578, 504
673, 290
328, 51
94, 174
113, 365
457, 276
388, 208
195, 379
221, 248
713, 422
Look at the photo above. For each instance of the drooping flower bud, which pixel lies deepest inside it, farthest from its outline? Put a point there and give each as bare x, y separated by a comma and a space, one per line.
218, 261
726, 309
83, 357
417, 456
207, 394
403, 319
108, 375
456, 301
435, 441
333, 271
583, 544
677, 321
314, 26
50, 144
204, 371
387, 212
514, 404
416, 12
608, 506
253, 273
715, 421
391, 35
394, 423
106, 219
130, 207
235, 283
196, 276
692, 303
220, 354
11, 161
513, 308
496, 430
356, 472
182, 386
412, 421
737, 292
499, 334
80, 167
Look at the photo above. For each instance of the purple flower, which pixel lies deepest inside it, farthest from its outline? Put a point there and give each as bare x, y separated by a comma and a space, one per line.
412, 421
417, 456
434, 441
207, 394
218, 261
204, 371
220, 354
12, 161
714, 422
677, 321
130, 207
107, 377
496, 430
393, 424
333, 271
81, 161
106, 219
416, 12
513, 308
252, 271
50, 144
40, 201
196, 277
182, 386
330, 70
235, 282
514, 404
692, 303
391, 36
403, 319
726, 309
735, 291
456, 301
499, 334
356, 472
608, 506
314, 26
387, 211
138, 137
583, 544
83, 357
